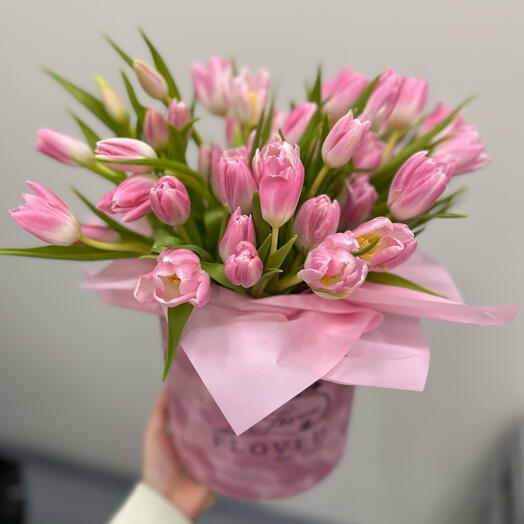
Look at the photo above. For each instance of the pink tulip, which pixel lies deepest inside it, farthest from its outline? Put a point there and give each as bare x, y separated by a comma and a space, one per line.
248, 95
360, 199
330, 270
239, 228
342, 92
100, 233
412, 99
47, 217
211, 84
244, 267
463, 149
416, 186
436, 116
113, 104
316, 219
176, 279
382, 100
169, 201
62, 147
204, 160
368, 154
152, 82
178, 113
295, 124
280, 174
130, 198
395, 246
125, 149
155, 129
278, 121
234, 179
343, 140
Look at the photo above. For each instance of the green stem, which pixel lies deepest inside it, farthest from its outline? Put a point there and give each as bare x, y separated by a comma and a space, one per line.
122, 246
318, 180
274, 238
391, 143
287, 282
101, 169
184, 235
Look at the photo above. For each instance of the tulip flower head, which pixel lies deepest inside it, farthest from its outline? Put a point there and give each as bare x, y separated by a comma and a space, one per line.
359, 202
368, 154
170, 201
125, 149
244, 267
179, 114
295, 123
113, 104
155, 129
412, 98
63, 148
152, 82
239, 228
211, 83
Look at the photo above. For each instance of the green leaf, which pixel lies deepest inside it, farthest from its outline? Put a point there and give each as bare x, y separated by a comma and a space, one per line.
176, 321
113, 224
261, 226
366, 249
362, 100
89, 102
215, 219
389, 279
275, 260
315, 93
126, 58
162, 68
75, 252
139, 109
177, 143
216, 272
442, 215
266, 131
91, 137
165, 240
256, 139
263, 250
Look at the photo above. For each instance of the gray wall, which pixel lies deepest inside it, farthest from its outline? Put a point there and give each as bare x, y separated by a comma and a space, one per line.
77, 378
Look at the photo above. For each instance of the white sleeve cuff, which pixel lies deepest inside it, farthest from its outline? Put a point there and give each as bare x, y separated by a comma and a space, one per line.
146, 506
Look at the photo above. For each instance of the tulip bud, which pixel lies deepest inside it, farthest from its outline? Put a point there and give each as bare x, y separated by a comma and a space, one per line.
280, 174
170, 201
244, 267
248, 95
331, 270
176, 279
395, 245
295, 124
342, 92
211, 84
178, 113
342, 140
416, 186
100, 233
153, 83
155, 129
113, 104
239, 228
235, 180
130, 198
368, 154
316, 219
360, 199
382, 100
125, 149
62, 147
47, 217
412, 98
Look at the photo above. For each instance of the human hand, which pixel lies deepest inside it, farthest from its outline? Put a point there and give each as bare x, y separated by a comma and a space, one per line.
163, 472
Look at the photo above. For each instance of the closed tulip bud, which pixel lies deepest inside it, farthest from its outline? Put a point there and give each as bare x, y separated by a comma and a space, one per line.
211, 84
412, 98
125, 149
130, 198
382, 100
331, 270
244, 267
155, 129
47, 217
178, 113
280, 174
234, 179
239, 228
395, 245
343, 140
100, 233
63, 148
153, 83
342, 92
296, 122
360, 199
176, 279
113, 104
368, 154
316, 219
248, 95
170, 201
416, 186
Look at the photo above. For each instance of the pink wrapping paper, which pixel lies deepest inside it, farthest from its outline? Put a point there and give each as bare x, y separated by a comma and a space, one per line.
255, 355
